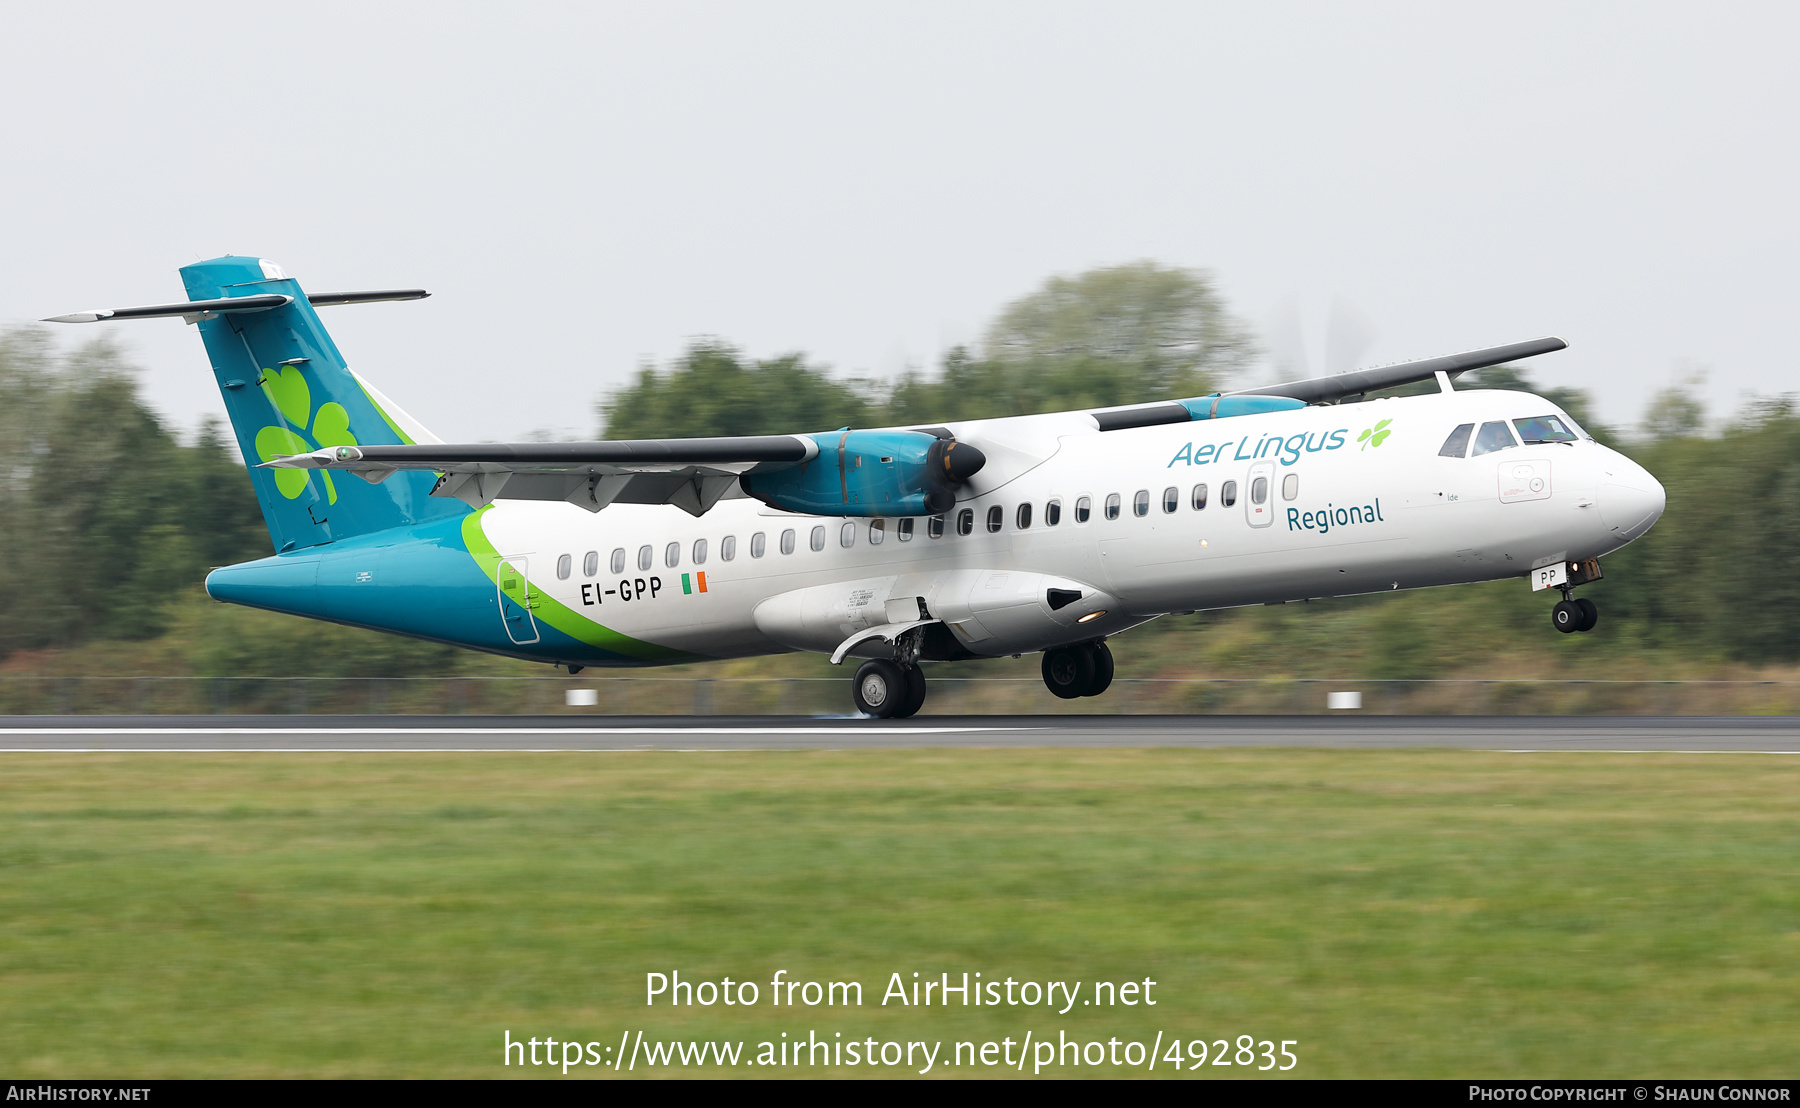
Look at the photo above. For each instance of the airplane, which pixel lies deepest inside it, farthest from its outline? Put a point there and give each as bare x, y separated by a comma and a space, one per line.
895, 545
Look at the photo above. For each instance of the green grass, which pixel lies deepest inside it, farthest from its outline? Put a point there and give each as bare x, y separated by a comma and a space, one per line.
1400, 914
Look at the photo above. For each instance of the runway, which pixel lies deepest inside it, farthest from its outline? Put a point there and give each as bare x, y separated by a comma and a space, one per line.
381, 734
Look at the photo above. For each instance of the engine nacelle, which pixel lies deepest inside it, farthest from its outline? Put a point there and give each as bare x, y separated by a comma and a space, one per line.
869, 473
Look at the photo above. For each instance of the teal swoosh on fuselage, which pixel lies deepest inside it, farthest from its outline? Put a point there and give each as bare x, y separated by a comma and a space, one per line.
425, 582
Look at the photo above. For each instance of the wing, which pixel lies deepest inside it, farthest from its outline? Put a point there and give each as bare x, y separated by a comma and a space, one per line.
1314, 390
693, 474
1324, 390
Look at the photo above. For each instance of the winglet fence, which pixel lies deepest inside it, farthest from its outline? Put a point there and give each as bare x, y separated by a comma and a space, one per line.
702, 696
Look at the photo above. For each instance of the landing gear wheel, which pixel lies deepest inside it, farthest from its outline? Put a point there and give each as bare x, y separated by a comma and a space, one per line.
1069, 671
915, 693
1567, 616
880, 689
1590, 614
1103, 670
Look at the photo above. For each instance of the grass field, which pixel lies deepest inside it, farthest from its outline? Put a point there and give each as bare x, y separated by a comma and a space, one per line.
1399, 914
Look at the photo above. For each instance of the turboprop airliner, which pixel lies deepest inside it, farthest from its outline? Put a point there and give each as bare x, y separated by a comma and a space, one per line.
972, 539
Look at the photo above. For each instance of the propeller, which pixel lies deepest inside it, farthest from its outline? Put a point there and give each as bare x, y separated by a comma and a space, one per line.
1349, 334
948, 465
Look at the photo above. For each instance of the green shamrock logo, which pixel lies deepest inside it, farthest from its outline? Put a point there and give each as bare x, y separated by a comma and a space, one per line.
1374, 435
291, 398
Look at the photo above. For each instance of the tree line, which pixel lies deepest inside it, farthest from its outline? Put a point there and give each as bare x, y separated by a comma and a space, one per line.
112, 521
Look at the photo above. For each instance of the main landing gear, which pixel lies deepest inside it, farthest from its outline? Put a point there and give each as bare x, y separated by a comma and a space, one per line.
1085, 669
888, 690
1573, 614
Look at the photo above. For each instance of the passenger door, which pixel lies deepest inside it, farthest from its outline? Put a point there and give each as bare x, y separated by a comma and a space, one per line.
512, 582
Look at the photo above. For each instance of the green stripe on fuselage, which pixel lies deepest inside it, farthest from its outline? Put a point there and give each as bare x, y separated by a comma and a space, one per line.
564, 619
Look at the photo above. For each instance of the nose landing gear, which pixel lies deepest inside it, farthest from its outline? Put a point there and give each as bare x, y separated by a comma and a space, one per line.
1573, 614
1085, 669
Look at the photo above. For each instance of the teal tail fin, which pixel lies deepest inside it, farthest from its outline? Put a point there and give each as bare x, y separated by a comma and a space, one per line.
288, 391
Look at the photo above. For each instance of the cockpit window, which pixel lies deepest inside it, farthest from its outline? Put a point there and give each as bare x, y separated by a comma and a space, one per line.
1492, 437
1458, 443
1545, 428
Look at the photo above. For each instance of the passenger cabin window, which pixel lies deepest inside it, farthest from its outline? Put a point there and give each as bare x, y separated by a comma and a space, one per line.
1199, 498
699, 552
1023, 518
818, 537
1171, 498
1544, 428
995, 517
1140, 504
934, 527
646, 557
1112, 506
618, 560
1290, 486
759, 544
1053, 513
1259, 491
847, 535
904, 530
590, 565
727, 548
1228, 494
1084, 509
563, 565
1492, 437
965, 522
1458, 443
877, 531
787, 541
672, 555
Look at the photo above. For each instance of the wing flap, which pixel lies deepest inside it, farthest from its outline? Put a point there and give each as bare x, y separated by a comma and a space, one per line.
692, 474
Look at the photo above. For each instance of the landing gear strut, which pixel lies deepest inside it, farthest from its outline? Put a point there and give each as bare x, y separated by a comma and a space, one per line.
1085, 669
1573, 614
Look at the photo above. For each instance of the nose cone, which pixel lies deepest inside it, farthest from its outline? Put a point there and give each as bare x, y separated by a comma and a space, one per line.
1630, 499
962, 461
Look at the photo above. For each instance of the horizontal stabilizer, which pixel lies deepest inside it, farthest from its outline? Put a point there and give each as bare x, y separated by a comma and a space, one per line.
692, 474
1323, 390
193, 310
326, 299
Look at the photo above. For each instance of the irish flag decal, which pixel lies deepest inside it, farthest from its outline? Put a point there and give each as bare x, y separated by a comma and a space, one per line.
687, 584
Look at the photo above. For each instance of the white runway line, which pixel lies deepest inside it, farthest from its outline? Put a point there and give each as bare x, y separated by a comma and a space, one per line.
381, 750
853, 730
1616, 750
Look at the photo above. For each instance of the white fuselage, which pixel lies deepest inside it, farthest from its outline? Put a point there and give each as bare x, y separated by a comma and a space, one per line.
1357, 499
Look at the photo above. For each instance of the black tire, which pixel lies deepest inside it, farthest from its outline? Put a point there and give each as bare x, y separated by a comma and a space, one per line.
1068, 671
1590, 614
1103, 670
1566, 616
879, 688
915, 693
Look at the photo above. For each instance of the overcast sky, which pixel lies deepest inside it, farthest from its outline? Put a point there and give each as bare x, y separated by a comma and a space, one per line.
586, 186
